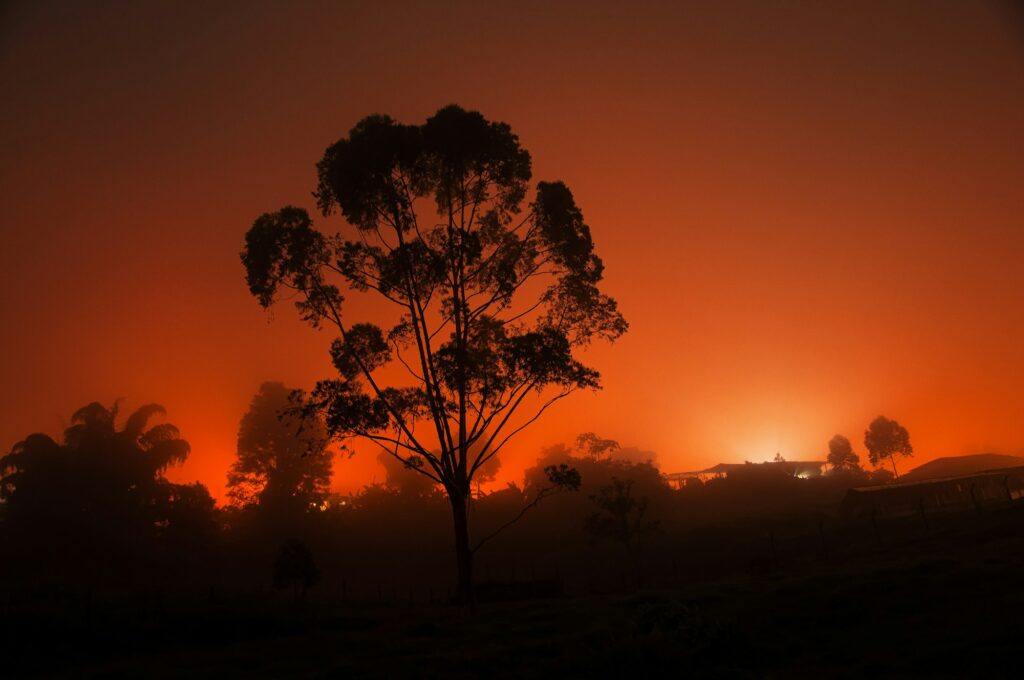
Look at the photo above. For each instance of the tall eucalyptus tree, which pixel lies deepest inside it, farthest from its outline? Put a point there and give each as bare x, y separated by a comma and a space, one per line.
492, 295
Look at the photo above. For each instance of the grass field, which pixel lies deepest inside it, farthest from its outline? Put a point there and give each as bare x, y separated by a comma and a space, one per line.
949, 605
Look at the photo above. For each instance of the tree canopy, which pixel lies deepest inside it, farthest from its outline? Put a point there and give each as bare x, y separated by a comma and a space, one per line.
282, 460
453, 278
100, 493
97, 467
491, 293
841, 456
886, 439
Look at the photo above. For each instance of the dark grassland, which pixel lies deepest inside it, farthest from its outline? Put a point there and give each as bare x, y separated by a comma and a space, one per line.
946, 605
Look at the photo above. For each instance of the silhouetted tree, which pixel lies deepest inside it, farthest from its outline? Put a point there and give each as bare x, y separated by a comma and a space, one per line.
559, 478
489, 302
188, 510
886, 439
283, 463
102, 489
486, 473
589, 444
403, 479
610, 485
294, 567
597, 472
621, 516
841, 457
97, 467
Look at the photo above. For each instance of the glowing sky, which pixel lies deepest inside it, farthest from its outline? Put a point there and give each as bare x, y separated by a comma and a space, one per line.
811, 213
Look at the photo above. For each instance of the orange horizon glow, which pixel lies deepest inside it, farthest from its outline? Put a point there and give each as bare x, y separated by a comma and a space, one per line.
809, 215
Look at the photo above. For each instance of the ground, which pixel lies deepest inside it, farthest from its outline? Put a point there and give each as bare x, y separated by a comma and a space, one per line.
948, 605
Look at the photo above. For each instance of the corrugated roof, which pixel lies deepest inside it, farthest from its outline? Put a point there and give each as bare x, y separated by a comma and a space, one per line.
939, 480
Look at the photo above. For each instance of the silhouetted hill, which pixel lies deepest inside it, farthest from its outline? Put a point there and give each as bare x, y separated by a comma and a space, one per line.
952, 466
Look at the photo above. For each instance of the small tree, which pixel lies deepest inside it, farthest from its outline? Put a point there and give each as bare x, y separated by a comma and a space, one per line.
621, 517
282, 462
294, 567
886, 439
841, 457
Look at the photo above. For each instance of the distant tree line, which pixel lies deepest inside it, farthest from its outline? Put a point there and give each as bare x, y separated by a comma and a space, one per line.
95, 505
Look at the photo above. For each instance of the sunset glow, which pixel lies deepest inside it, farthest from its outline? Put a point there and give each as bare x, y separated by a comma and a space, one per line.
810, 214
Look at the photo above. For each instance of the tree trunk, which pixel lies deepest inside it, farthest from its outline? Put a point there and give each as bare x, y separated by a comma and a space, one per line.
892, 459
466, 594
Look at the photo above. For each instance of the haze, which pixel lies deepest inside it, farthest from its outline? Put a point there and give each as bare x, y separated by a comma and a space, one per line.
810, 215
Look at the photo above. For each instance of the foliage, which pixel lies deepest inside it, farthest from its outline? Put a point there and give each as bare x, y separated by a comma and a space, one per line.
282, 461
886, 439
294, 567
621, 516
560, 478
841, 457
595, 472
589, 444
97, 468
100, 493
881, 476
491, 294
402, 477
454, 284
675, 621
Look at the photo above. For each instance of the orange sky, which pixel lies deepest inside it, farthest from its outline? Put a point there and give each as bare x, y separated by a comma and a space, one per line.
811, 213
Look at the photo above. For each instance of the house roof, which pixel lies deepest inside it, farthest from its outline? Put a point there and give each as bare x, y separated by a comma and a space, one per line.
728, 467
937, 480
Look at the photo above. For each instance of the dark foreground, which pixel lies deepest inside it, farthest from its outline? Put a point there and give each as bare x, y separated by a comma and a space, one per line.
950, 605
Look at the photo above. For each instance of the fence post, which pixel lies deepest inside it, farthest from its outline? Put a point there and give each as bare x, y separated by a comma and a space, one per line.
974, 499
821, 535
88, 610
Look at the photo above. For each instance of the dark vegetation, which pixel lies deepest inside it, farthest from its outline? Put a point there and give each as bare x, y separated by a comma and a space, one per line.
730, 576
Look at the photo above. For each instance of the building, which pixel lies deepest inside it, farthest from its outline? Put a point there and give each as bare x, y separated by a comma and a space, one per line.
980, 491
794, 468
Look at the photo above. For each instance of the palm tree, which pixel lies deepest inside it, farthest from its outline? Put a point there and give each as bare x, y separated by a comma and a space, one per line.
96, 506
98, 469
